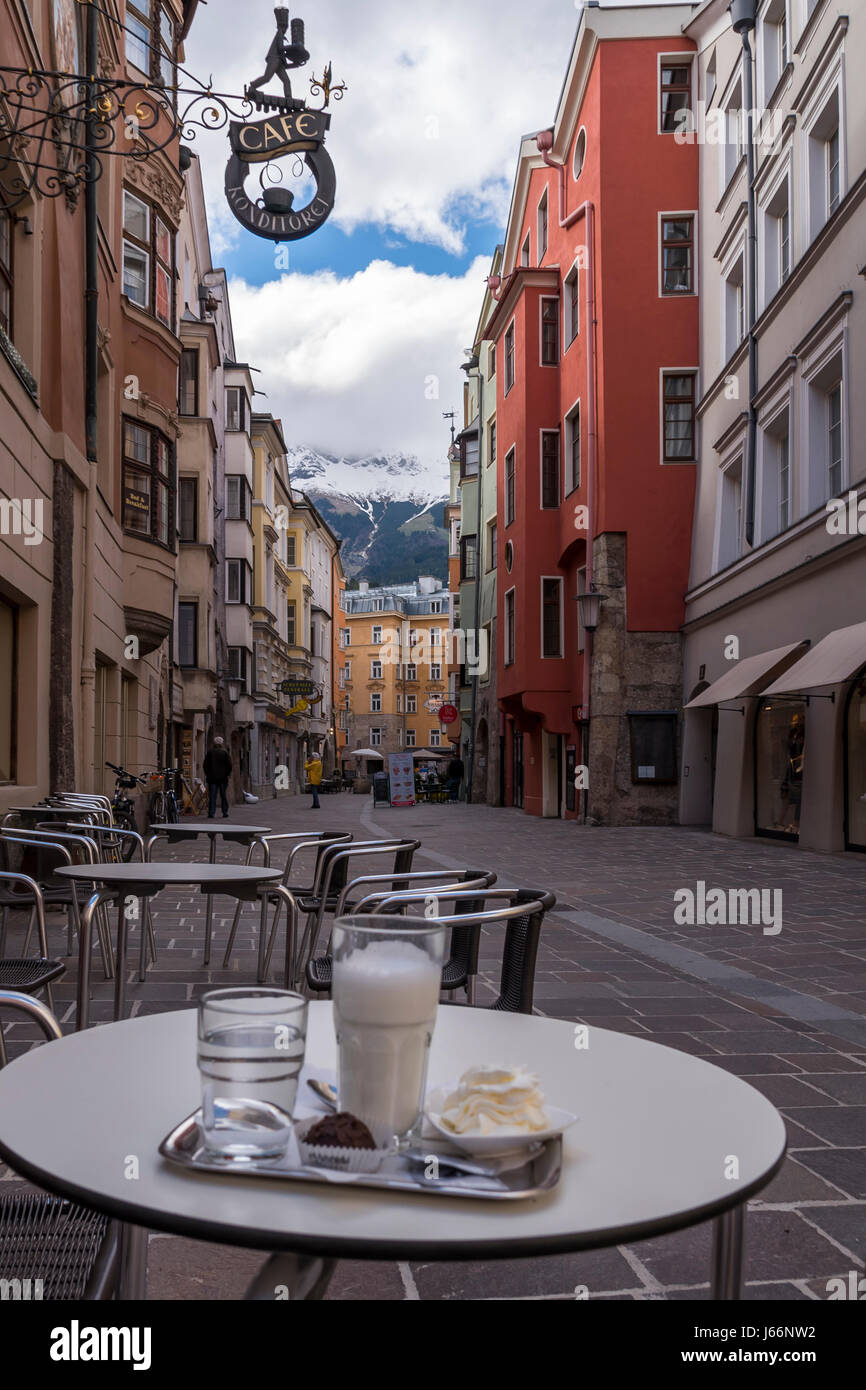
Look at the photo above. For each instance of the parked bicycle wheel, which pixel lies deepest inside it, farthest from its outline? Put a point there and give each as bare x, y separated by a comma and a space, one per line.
157, 812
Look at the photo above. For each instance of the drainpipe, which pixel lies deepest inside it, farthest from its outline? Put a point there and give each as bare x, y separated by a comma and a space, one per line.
91, 377
544, 140
743, 21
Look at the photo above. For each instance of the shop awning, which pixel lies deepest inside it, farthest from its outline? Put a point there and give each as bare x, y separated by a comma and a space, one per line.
748, 676
837, 657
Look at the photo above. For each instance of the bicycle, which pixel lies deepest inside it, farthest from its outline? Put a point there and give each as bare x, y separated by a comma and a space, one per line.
123, 807
163, 808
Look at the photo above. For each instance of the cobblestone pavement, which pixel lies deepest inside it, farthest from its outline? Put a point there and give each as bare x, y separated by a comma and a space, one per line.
786, 1010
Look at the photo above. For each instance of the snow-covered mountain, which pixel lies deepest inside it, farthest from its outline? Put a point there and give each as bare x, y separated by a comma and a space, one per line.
387, 510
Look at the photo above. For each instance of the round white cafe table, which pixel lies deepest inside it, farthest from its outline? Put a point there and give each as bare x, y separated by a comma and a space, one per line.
117, 882
178, 831
663, 1140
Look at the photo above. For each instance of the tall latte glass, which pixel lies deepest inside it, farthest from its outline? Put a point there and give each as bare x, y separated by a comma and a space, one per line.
386, 984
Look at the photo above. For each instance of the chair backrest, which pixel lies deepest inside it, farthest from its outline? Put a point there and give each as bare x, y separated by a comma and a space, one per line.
522, 911
32, 1008
35, 858
334, 871
31, 893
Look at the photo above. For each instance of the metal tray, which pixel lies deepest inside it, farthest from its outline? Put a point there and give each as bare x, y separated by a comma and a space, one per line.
518, 1177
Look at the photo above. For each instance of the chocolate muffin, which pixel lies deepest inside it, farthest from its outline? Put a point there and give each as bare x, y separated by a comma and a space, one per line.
340, 1131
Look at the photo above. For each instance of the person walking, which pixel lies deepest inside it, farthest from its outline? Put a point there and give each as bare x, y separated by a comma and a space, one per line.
455, 777
313, 769
217, 771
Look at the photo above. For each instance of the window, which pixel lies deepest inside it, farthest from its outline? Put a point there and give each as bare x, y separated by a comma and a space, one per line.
291, 551
509, 628
653, 746
834, 440
711, 79
572, 425
236, 408
824, 162
491, 443
187, 634
410, 738
238, 663
8, 690
677, 255
774, 45
187, 528
435, 671
238, 498
777, 240
679, 416
542, 227
550, 468
347, 671
7, 228
188, 392
735, 306
399, 704
509, 487
524, 252
549, 332
148, 258
435, 637
436, 605
675, 94
150, 40
375, 670
435, 738
775, 463
148, 482
375, 738
579, 154
345, 637
239, 587
572, 302
468, 558
509, 358
411, 671
291, 623
491, 362
491, 546
551, 618
376, 702
735, 133
730, 514
376, 637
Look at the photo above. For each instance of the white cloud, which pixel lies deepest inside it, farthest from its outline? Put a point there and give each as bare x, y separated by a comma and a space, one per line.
352, 365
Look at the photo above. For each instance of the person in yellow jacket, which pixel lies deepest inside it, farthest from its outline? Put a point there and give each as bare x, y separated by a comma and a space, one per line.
313, 769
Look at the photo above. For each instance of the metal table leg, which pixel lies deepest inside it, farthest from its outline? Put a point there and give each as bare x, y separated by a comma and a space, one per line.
728, 1250
208, 931
132, 1281
120, 970
85, 946
291, 1277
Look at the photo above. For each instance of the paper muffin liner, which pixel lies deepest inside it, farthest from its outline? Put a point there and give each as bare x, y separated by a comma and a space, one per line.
337, 1157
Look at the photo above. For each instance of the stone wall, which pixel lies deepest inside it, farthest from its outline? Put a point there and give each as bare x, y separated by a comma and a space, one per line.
630, 671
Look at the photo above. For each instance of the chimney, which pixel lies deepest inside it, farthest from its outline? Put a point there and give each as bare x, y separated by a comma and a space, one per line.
428, 585
363, 586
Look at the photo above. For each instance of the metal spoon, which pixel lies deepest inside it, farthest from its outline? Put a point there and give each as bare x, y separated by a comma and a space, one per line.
325, 1090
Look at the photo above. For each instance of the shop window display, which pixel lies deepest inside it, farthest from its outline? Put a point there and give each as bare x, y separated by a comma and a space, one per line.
780, 751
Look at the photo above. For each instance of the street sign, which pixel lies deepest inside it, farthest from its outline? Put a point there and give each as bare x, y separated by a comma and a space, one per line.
299, 688
448, 714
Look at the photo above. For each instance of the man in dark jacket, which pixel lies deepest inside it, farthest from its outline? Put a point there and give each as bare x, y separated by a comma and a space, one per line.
455, 777
217, 771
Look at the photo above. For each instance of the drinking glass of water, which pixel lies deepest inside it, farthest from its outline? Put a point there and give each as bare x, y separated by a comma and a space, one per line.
387, 972
251, 1045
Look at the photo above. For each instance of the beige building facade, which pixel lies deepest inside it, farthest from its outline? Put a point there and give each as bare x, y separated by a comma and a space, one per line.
775, 631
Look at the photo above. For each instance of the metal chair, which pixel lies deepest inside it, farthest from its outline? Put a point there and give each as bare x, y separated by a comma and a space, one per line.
57, 892
24, 974
303, 839
334, 877
461, 967
523, 915
52, 1248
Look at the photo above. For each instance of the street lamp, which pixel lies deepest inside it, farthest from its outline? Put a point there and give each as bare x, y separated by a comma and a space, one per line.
589, 608
233, 686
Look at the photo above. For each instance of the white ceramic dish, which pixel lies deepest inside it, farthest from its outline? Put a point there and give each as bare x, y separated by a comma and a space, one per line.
489, 1144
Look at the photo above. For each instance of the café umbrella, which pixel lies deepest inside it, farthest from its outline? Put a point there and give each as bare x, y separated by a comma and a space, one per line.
363, 753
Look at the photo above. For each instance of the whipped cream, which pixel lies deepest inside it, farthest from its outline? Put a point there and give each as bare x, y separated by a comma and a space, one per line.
496, 1100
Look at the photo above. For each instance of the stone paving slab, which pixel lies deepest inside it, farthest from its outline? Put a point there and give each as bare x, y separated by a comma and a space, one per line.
787, 1012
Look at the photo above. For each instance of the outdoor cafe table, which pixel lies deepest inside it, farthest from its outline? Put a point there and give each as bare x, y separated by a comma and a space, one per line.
651, 1151
117, 882
177, 831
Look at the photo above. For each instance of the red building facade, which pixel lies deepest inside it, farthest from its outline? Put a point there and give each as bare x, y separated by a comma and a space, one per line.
595, 335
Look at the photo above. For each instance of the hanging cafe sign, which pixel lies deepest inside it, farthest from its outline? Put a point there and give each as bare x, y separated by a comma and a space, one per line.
299, 688
57, 128
292, 129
